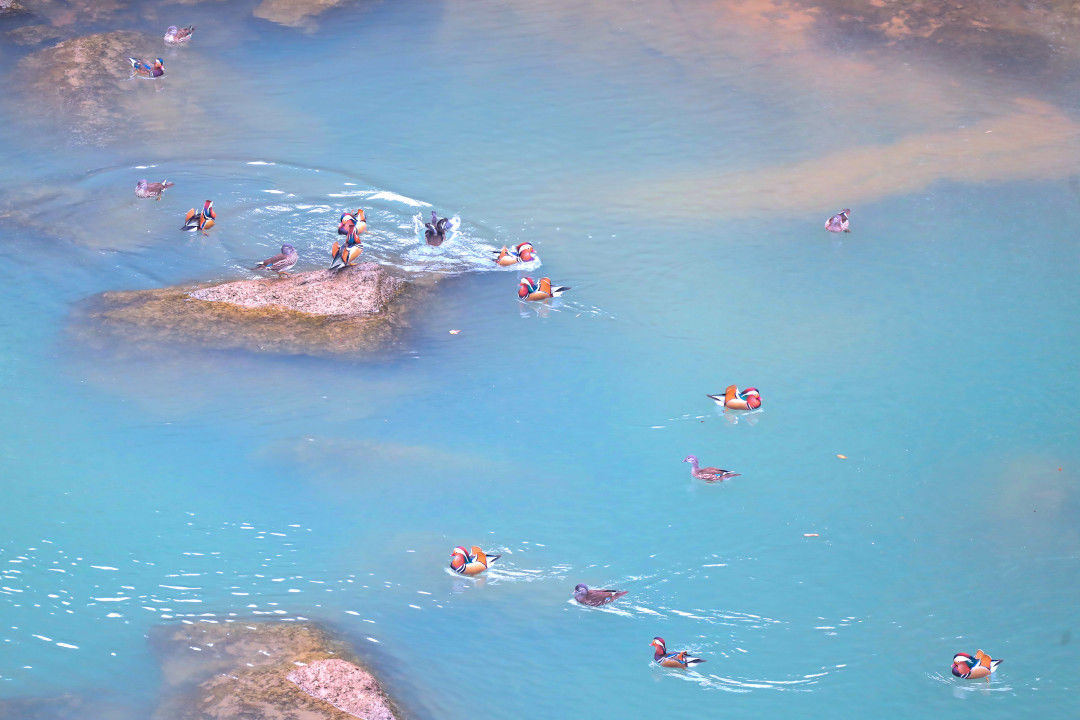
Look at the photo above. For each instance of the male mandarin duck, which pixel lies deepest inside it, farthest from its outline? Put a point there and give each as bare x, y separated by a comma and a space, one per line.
708, 474
145, 189
672, 660
435, 231
148, 70
595, 598
282, 262
838, 222
350, 222
974, 667
522, 253
344, 254
733, 399
529, 289
178, 35
470, 562
201, 220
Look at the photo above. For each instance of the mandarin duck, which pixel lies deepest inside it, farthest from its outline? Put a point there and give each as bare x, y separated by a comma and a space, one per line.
974, 667
435, 231
352, 221
145, 189
177, 35
522, 253
672, 660
595, 598
344, 254
838, 222
201, 220
280, 263
470, 562
147, 70
529, 289
708, 474
734, 399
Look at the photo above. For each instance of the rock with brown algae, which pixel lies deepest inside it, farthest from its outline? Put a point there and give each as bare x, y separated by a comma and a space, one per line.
362, 308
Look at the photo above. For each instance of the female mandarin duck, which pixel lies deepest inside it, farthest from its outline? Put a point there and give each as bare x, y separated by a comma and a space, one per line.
435, 231
974, 667
672, 660
201, 220
470, 562
529, 289
595, 598
522, 253
145, 189
280, 263
148, 70
708, 474
733, 399
838, 222
177, 35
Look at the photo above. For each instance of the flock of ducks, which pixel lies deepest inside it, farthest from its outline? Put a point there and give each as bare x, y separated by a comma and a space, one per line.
345, 253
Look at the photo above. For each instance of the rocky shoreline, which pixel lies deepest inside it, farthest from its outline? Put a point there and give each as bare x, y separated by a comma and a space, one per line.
359, 309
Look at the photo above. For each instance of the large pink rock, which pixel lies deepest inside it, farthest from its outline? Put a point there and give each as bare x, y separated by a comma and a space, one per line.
347, 687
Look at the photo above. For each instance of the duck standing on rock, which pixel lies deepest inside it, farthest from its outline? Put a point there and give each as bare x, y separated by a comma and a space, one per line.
529, 289
201, 220
839, 222
522, 253
145, 189
671, 660
594, 597
280, 263
352, 221
435, 231
708, 474
147, 70
344, 254
470, 562
178, 35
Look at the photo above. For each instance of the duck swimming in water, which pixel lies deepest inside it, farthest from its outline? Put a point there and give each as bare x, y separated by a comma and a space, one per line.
672, 660
708, 474
470, 562
975, 667
147, 70
280, 263
435, 231
838, 222
595, 598
529, 289
145, 189
733, 399
201, 220
522, 253
178, 35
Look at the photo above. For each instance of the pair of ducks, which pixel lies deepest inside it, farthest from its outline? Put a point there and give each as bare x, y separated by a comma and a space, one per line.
201, 220
352, 226
156, 68
475, 561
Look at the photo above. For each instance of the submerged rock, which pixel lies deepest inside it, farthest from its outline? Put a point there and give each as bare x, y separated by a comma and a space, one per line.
245, 670
87, 81
296, 13
318, 312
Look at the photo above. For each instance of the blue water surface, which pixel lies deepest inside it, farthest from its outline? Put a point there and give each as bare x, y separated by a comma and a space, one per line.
933, 348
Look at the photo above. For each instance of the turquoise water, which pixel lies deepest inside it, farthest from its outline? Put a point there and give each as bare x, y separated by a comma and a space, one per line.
933, 347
